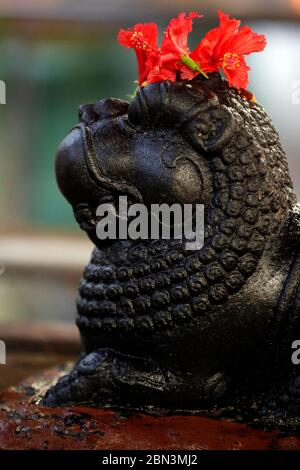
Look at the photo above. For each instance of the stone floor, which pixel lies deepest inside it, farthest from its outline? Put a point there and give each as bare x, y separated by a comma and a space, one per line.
24, 424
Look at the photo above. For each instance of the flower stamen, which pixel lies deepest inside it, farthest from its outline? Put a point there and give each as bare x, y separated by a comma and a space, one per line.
231, 61
138, 41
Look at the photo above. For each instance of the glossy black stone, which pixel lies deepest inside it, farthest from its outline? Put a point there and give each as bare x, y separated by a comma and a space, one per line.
161, 325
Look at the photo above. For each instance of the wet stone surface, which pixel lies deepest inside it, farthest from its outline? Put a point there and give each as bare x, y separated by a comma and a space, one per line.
25, 424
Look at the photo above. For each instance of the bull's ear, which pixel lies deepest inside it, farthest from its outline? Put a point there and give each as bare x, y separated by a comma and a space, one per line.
212, 129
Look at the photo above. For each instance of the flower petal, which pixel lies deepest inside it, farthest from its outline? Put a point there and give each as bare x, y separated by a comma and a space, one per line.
142, 34
143, 39
176, 35
247, 41
228, 39
158, 74
210, 49
227, 30
187, 73
174, 45
238, 78
204, 53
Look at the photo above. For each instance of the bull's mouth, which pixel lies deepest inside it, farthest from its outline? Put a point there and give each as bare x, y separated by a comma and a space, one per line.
107, 189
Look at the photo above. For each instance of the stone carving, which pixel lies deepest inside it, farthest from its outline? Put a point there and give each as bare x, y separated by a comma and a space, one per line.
166, 327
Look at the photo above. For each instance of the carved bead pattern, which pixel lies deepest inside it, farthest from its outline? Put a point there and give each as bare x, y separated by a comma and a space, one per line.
159, 284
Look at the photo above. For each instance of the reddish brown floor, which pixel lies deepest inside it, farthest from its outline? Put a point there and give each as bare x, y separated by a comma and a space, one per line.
26, 425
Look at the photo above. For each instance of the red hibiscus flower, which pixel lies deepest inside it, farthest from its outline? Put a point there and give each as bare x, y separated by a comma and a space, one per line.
225, 47
143, 39
174, 52
222, 48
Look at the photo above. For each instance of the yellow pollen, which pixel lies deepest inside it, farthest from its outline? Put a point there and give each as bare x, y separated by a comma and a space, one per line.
138, 41
231, 61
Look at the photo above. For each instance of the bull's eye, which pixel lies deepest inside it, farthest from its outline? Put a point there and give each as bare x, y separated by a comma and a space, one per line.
211, 130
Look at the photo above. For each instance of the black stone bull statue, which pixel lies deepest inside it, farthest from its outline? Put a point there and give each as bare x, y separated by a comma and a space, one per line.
168, 327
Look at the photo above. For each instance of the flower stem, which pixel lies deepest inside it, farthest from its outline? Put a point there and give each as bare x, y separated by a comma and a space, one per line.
132, 95
189, 62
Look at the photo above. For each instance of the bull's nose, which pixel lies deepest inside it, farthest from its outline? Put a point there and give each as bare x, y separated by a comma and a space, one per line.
71, 173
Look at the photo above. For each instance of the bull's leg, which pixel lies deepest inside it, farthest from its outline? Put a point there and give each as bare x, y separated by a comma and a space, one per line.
109, 377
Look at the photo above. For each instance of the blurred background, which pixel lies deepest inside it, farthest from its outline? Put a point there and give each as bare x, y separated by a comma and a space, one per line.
55, 55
